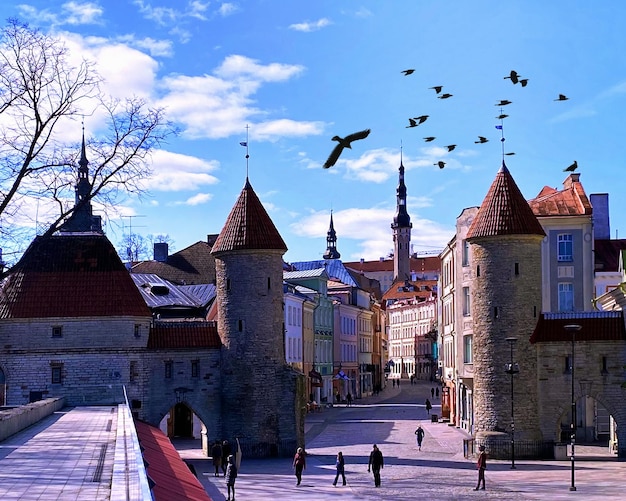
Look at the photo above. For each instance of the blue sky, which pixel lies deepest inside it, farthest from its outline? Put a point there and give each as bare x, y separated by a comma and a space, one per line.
298, 73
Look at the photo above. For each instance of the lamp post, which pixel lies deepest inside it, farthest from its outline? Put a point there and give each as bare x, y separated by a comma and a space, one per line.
572, 329
512, 369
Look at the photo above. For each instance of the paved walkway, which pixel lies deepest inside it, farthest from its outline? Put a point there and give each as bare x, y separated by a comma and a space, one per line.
439, 471
65, 456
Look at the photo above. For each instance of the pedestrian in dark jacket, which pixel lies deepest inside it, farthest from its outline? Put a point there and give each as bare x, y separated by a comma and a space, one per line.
216, 455
428, 406
231, 475
419, 434
226, 450
299, 464
340, 465
481, 464
376, 462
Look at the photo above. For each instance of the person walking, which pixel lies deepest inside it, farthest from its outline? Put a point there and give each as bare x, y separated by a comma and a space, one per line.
419, 434
216, 455
340, 465
349, 399
481, 464
432, 393
437, 392
428, 406
230, 476
299, 464
376, 463
226, 450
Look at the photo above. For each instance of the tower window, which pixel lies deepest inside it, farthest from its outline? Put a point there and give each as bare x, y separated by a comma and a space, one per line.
228, 284
57, 331
478, 270
605, 369
240, 325
195, 368
169, 366
516, 269
269, 283
496, 313
137, 330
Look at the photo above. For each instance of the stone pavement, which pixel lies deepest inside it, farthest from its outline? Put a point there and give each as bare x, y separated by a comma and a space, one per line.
439, 471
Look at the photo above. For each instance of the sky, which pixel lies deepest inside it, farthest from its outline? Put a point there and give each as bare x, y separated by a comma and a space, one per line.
287, 76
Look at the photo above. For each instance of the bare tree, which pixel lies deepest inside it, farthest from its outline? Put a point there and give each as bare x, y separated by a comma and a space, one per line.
40, 91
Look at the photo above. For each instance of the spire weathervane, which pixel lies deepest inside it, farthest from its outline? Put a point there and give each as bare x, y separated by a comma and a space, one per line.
245, 143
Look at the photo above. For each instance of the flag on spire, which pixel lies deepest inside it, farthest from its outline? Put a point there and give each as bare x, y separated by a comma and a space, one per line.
244, 143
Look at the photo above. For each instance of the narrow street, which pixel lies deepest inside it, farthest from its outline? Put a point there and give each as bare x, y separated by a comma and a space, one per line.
438, 471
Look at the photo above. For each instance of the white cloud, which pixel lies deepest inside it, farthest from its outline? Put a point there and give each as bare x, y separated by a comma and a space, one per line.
71, 13
310, 26
177, 172
156, 48
226, 9
371, 227
198, 199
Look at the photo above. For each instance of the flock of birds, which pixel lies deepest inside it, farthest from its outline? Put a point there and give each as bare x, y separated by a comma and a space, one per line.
514, 76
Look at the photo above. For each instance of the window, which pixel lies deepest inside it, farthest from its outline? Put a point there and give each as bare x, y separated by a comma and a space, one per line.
465, 253
168, 369
133, 371
57, 373
566, 297
57, 331
137, 330
466, 301
195, 368
565, 247
467, 349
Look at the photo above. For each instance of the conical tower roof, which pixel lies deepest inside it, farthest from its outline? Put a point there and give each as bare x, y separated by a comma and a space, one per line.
504, 211
248, 226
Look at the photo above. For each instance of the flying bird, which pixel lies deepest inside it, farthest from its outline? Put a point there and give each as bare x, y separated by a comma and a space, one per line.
451, 147
509, 154
503, 102
562, 97
572, 167
441, 164
500, 117
344, 143
407, 72
429, 139
513, 76
524, 82
437, 88
481, 139
444, 96
421, 119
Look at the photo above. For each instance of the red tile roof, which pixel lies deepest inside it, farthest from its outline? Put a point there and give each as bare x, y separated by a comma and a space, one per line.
180, 335
595, 326
70, 276
417, 264
192, 265
570, 201
504, 211
419, 289
248, 226
171, 478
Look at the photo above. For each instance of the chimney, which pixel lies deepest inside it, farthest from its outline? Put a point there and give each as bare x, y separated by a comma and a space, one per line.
210, 239
600, 216
574, 177
160, 251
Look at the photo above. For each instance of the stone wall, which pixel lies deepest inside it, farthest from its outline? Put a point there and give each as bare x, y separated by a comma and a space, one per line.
505, 302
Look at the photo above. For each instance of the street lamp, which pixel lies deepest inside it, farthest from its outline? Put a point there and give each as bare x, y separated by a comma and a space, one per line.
572, 329
512, 369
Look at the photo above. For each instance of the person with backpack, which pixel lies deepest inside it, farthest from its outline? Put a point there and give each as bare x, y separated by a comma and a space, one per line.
340, 466
299, 464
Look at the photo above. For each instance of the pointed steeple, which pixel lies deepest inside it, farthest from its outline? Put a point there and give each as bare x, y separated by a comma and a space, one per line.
82, 219
331, 241
504, 211
248, 226
401, 227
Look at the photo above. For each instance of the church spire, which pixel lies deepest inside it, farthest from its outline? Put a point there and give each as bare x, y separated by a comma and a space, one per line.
401, 227
331, 241
82, 219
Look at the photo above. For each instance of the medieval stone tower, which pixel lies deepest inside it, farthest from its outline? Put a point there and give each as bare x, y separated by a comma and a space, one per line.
262, 398
505, 303
401, 227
